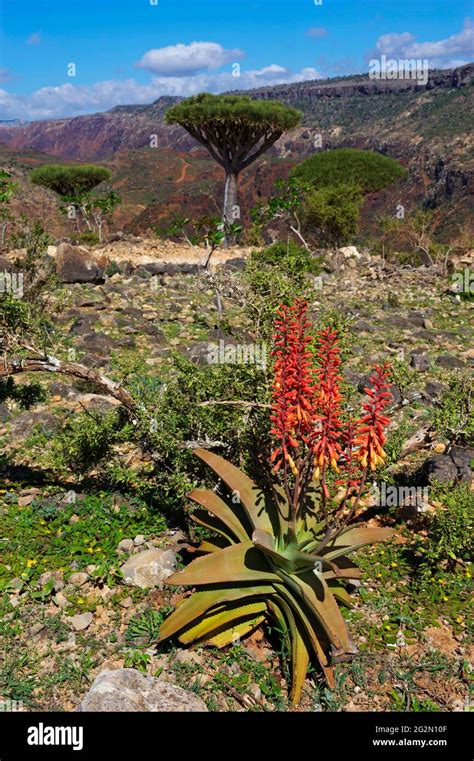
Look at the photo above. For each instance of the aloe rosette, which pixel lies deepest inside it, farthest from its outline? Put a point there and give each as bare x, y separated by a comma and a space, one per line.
279, 555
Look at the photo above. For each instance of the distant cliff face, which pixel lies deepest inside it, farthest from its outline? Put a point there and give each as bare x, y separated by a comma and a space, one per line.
348, 104
427, 128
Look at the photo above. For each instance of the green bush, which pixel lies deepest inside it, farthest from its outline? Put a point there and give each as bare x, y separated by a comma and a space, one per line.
89, 238
331, 215
277, 275
450, 530
367, 169
86, 440
69, 181
289, 258
454, 418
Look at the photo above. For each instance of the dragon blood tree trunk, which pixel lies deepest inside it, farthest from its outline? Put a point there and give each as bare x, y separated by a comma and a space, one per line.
230, 197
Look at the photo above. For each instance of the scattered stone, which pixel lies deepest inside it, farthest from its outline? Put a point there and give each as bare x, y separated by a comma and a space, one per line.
78, 579
60, 600
449, 361
55, 576
126, 690
350, 252
35, 629
127, 602
434, 390
6, 265
420, 362
80, 621
149, 568
75, 264
139, 540
440, 468
126, 545
188, 657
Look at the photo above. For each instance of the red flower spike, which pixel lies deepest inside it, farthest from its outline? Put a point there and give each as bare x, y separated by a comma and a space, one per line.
292, 407
370, 429
350, 465
326, 435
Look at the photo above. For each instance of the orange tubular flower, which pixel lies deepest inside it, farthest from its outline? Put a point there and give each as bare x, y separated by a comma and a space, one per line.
292, 388
328, 429
370, 431
351, 475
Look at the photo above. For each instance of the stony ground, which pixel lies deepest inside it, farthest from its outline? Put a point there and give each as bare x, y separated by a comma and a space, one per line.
64, 621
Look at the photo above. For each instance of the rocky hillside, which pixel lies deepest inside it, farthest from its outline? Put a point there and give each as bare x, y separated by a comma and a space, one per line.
82, 606
428, 128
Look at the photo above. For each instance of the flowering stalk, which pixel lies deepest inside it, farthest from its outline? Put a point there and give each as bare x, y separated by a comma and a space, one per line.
327, 430
370, 431
306, 418
293, 392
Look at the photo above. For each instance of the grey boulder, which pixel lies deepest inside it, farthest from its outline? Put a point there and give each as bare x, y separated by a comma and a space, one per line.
128, 690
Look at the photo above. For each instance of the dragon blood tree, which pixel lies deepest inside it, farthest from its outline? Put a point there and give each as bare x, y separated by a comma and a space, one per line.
283, 553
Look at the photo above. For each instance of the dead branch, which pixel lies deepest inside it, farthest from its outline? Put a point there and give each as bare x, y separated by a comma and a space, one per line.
73, 369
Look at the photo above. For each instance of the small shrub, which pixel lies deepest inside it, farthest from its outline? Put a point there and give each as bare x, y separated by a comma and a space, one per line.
89, 238
289, 258
331, 214
450, 530
368, 170
454, 418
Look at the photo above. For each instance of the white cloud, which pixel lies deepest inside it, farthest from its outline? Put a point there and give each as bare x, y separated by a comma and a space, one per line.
71, 100
185, 60
6, 75
456, 50
34, 39
317, 31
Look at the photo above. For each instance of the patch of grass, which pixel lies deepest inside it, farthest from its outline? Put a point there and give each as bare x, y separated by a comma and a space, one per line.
41, 540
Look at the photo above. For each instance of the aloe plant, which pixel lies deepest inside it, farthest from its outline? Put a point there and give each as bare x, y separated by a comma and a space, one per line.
283, 553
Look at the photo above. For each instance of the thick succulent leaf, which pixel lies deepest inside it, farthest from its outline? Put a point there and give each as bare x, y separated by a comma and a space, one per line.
238, 563
329, 674
282, 510
344, 573
239, 630
266, 544
251, 497
294, 601
213, 524
299, 650
353, 538
341, 594
308, 531
206, 546
228, 515
321, 602
205, 600
224, 619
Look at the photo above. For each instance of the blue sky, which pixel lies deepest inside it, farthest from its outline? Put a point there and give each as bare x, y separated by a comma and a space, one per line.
133, 51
